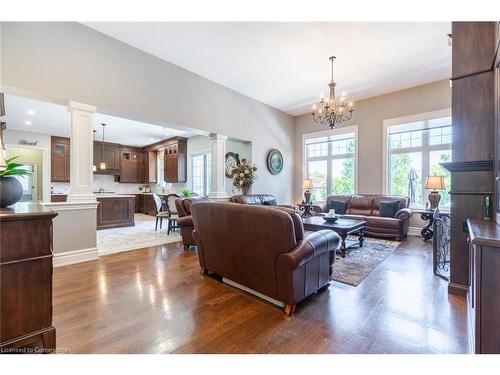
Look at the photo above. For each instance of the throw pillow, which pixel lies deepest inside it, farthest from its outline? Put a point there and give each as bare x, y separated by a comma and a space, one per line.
270, 202
339, 206
388, 208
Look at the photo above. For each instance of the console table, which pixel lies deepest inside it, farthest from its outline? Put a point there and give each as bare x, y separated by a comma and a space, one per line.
428, 215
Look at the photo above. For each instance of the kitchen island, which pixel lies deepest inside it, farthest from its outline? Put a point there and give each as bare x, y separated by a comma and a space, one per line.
115, 210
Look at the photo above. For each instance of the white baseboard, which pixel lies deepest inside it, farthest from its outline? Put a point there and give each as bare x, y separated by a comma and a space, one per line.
75, 256
255, 293
414, 231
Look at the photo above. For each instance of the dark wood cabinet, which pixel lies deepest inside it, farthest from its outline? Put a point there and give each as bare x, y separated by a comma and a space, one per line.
132, 165
473, 47
483, 299
175, 160
473, 144
58, 197
111, 157
115, 212
149, 205
26, 279
59, 159
139, 203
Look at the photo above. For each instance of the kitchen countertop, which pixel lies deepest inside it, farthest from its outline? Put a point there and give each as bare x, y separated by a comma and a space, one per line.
114, 196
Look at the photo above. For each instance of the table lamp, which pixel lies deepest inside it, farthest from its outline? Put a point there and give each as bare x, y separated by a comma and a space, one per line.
307, 184
434, 183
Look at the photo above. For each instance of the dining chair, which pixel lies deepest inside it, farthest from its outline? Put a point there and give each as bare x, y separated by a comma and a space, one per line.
172, 210
160, 214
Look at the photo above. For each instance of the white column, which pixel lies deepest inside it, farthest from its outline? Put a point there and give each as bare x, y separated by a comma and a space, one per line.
81, 152
218, 159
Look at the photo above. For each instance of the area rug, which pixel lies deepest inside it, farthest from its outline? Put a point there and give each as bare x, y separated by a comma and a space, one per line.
141, 235
360, 261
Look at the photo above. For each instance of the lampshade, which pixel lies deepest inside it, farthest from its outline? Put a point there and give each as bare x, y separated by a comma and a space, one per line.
434, 183
307, 184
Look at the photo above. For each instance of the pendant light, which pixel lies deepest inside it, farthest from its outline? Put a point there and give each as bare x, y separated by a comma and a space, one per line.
102, 165
94, 167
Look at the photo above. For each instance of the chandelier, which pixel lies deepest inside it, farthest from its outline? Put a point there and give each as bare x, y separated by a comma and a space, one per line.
330, 112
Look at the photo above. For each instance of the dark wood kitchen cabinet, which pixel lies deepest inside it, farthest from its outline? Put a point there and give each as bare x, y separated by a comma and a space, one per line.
132, 165
139, 204
26, 279
149, 205
59, 159
175, 160
111, 157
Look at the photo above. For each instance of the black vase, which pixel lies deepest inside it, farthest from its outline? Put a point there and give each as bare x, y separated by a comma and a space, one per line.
11, 191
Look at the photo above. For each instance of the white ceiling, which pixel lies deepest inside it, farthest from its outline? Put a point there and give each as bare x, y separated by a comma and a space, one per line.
286, 65
47, 118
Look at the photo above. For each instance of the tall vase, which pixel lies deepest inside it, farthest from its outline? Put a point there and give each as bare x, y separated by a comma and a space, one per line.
245, 190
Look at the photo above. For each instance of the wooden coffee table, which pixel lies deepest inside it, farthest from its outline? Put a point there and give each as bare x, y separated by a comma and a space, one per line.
342, 227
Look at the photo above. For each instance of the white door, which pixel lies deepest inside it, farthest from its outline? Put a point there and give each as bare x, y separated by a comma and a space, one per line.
29, 183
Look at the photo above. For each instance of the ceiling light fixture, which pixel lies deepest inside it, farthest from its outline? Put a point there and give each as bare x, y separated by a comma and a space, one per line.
329, 112
30, 112
28, 123
102, 165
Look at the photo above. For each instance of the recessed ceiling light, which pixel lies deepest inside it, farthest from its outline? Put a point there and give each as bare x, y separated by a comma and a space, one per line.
30, 112
27, 123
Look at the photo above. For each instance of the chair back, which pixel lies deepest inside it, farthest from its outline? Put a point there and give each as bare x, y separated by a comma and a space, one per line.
170, 200
158, 203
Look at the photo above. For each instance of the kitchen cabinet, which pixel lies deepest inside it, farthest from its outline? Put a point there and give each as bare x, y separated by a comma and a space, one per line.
149, 205
111, 157
175, 160
58, 197
132, 165
115, 211
59, 159
139, 204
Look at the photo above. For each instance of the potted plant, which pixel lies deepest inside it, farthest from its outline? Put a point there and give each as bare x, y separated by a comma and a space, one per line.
186, 193
11, 189
244, 175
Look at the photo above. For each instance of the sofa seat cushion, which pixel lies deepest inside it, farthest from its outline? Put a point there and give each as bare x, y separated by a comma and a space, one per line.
385, 222
360, 205
270, 202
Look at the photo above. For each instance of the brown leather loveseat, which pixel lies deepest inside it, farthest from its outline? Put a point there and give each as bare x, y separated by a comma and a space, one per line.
185, 221
264, 249
367, 207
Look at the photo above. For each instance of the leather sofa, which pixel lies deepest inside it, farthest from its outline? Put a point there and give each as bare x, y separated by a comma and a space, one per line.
185, 221
256, 200
264, 249
367, 206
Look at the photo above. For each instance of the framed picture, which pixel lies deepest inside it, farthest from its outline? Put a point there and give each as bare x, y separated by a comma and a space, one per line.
274, 161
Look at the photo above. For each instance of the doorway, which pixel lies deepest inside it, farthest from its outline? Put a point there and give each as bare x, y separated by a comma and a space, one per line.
32, 160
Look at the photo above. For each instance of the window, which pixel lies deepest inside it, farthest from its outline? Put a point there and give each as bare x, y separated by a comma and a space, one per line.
415, 150
331, 163
201, 173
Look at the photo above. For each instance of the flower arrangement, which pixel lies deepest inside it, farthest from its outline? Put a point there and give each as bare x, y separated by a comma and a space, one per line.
244, 175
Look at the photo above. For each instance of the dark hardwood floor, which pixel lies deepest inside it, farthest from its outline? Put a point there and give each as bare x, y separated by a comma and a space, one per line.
155, 301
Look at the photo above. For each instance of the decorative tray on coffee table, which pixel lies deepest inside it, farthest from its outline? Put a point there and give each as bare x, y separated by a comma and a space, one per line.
331, 219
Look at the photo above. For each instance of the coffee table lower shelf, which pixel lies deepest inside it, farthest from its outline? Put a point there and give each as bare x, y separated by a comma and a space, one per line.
343, 227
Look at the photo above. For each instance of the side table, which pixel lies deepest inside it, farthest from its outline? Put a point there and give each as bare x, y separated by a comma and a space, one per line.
428, 215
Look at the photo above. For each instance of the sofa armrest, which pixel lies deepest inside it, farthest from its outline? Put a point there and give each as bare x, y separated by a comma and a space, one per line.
314, 244
403, 214
185, 221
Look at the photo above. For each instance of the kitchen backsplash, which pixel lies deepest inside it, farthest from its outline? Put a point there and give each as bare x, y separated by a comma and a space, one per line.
108, 183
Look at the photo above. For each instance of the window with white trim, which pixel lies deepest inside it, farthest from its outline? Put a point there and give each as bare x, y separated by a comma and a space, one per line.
330, 161
201, 173
414, 151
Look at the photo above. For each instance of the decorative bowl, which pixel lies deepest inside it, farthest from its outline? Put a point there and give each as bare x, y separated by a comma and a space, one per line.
330, 219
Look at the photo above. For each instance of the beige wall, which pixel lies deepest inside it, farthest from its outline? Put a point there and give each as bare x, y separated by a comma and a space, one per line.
369, 115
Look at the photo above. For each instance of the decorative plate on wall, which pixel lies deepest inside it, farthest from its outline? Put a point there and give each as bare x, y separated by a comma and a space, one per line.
274, 161
232, 161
